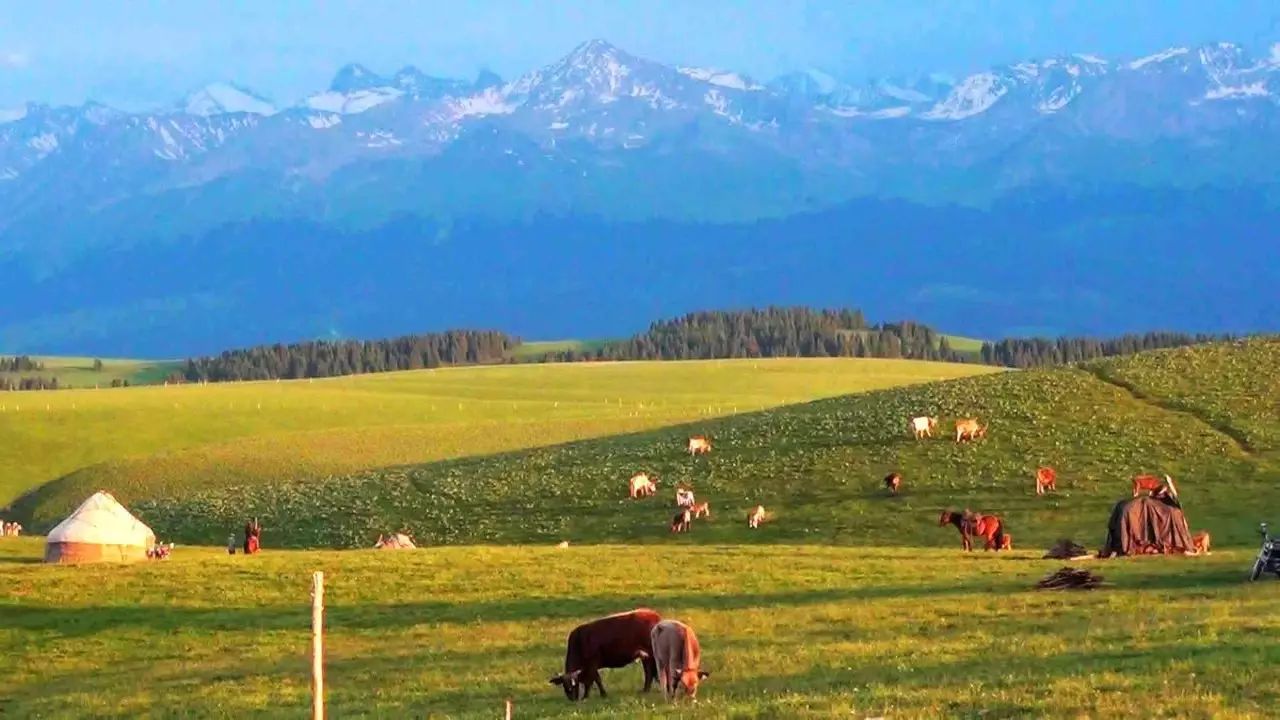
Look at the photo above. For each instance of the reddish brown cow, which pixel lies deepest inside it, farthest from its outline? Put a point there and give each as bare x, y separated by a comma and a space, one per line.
613, 641
1046, 479
1154, 485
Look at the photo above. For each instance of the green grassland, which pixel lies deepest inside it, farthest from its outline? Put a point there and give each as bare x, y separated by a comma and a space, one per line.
816, 466
787, 632
538, 349
185, 438
79, 372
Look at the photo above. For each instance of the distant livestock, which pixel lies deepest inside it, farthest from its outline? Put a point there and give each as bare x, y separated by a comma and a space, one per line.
702, 509
969, 430
613, 641
893, 481
398, 541
680, 523
641, 485
684, 497
755, 517
699, 445
988, 527
923, 426
678, 657
1046, 480
12, 529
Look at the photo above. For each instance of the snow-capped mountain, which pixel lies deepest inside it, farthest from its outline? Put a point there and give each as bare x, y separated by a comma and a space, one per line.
224, 98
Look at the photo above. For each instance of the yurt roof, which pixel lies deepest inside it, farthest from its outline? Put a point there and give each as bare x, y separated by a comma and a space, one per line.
102, 520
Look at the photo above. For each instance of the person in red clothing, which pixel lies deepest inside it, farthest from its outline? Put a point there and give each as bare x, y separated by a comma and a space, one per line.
252, 536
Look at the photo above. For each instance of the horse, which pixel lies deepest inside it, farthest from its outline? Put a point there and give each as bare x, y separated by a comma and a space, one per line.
988, 527
892, 481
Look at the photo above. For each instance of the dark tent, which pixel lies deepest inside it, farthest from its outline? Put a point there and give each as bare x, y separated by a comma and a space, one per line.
1145, 525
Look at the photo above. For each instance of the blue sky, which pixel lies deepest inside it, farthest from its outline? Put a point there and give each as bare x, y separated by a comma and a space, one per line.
135, 52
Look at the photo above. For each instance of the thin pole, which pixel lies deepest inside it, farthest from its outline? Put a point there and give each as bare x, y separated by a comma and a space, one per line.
508, 709
317, 646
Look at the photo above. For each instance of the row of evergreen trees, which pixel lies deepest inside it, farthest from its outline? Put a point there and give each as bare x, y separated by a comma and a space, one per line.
28, 383
1040, 352
20, 363
352, 357
773, 332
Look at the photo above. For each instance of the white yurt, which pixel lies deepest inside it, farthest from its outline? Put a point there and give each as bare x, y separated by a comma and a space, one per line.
100, 530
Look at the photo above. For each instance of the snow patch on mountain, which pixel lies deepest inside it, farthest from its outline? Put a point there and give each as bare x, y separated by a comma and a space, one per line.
225, 98
490, 102
973, 96
1091, 59
354, 102
8, 115
1158, 57
1238, 92
44, 143
903, 94
720, 77
321, 122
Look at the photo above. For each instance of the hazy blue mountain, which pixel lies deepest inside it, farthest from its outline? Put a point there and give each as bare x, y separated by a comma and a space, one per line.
1071, 194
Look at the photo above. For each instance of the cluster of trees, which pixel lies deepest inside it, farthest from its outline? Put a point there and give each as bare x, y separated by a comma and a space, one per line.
350, 357
1039, 352
28, 383
773, 332
21, 363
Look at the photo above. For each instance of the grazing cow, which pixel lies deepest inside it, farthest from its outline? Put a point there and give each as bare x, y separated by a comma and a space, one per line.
563, 544
893, 481
923, 426
680, 523
613, 641
970, 430
702, 509
398, 541
699, 444
1007, 542
684, 497
641, 485
1200, 542
1046, 479
678, 657
989, 527
755, 517
1154, 485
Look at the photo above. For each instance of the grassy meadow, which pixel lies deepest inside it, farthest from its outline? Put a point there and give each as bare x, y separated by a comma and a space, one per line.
79, 372
787, 632
186, 438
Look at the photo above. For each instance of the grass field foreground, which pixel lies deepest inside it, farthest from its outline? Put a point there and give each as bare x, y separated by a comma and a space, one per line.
787, 632
191, 437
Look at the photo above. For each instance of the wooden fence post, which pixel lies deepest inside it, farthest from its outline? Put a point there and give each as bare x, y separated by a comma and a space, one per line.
508, 709
317, 646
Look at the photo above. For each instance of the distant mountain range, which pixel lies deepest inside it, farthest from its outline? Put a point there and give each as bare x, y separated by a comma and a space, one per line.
403, 203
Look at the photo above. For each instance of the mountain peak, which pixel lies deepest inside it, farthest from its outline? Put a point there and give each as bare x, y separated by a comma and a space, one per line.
354, 76
221, 98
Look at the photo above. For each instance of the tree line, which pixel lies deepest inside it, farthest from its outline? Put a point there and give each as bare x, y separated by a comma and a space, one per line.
1041, 352
28, 383
323, 358
20, 363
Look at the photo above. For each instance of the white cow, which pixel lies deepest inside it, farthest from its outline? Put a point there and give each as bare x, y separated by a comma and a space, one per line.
641, 485
923, 426
684, 498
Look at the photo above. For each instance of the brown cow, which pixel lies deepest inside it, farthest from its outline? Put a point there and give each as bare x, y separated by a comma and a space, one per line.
641, 485
702, 509
678, 657
1154, 485
970, 430
613, 641
699, 444
755, 517
893, 481
1046, 479
1200, 542
680, 523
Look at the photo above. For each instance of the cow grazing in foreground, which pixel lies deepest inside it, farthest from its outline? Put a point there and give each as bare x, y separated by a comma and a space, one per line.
1154, 485
969, 430
923, 426
613, 641
1200, 542
678, 657
680, 523
702, 509
893, 481
1046, 479
641, 485
755, 517
699, 444
684, 497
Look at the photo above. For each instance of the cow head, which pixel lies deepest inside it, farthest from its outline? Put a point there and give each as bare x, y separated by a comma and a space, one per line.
569, 681
933, 423
689, 679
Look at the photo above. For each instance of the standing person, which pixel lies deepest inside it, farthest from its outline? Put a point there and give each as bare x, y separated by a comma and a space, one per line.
231, 544
252, 536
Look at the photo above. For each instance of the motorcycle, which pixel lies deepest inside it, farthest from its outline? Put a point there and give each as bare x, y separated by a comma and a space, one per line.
1268, 557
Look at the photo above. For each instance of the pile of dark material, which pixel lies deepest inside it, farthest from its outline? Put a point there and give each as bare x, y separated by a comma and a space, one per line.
1065, 549
1069, 578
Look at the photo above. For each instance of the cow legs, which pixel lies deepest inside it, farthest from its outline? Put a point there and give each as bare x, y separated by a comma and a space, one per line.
650, 671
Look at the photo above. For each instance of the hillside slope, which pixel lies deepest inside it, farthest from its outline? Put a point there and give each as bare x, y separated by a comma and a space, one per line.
177, 439
816, 467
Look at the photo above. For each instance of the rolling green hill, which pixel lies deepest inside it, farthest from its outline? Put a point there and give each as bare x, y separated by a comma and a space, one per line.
817, 467
179, 439
79, 371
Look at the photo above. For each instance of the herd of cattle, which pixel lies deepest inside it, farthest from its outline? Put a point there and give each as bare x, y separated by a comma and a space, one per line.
669, 650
